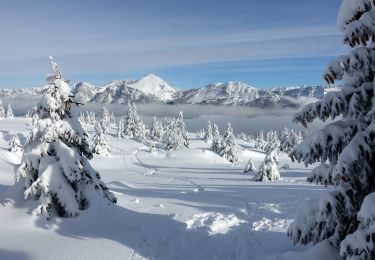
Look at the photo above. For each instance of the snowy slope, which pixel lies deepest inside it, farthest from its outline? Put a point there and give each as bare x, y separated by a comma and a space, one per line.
188, 204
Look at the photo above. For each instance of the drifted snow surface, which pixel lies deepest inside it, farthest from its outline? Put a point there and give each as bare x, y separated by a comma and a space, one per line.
188, 204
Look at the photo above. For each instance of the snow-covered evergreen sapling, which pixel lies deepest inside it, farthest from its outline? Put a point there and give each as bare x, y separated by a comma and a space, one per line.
2, 111
250, 167
120, 128
104, 120
9, 113
228, 146
268, 170
216, 139
99, 140
55, 169
209, 134
182, 129
157, 131
15, 144
345, 216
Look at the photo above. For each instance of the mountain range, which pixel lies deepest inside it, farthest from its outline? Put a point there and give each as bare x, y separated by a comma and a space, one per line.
152, 89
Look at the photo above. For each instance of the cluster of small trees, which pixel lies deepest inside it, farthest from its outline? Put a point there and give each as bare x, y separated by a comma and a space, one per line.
285, 139
8, 113
133, 126
224, 145
171, 132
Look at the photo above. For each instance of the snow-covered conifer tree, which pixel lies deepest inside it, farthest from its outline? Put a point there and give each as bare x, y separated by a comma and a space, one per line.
104, 120
2, 111
268, 170
15, 144
55, 169
182, 129
260, 143
250, 167
209, 134
130, 122
156, 132
112, 119
285, 140
171, 139
121, 127
228, 146
9, 113
175, 134
216, 139
345, 216
99, 141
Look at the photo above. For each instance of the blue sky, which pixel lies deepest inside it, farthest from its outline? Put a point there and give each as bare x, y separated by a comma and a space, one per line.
188, 43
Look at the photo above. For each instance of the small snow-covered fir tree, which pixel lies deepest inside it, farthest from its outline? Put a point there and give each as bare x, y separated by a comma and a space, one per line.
34, 116
260, 143
345, 216
112, 119
209, 134
285, 140
268, 170
216, 139
129, 121
171, 139
182, 129
228, 146
55, 168
99, 141
156, 132
82, 118
175, 137
134, 126
15, 144
120, 128
250, 167
2, 111
9, 113
104, 120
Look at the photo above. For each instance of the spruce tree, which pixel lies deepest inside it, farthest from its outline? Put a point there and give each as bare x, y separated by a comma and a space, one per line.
268, 170
15, 144
209, 132
9, 113
104, 120
250, 167
2, 111
99, 141
345, 216
228, 149
216, 139
121, 127
55, 168
156, 132
182, 129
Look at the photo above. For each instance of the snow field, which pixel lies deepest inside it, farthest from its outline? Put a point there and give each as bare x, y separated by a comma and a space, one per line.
185, 204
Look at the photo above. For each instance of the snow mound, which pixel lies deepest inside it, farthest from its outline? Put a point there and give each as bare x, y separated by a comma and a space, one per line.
214, 222
266, 224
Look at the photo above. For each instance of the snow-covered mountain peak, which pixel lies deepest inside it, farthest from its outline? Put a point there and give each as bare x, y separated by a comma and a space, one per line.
152, 84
